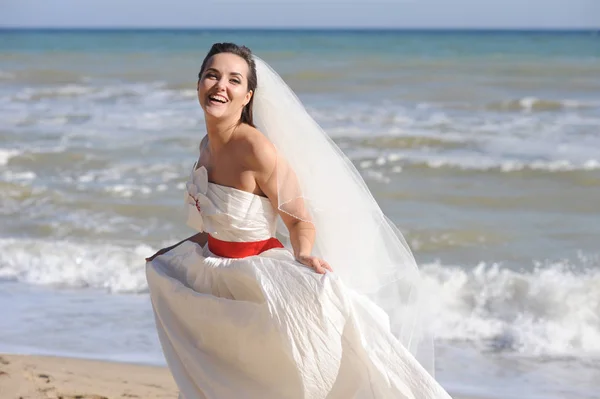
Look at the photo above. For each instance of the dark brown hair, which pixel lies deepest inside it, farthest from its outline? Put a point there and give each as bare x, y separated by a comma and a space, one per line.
246, 54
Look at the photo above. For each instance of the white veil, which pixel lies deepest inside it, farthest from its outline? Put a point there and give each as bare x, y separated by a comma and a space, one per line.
318, 183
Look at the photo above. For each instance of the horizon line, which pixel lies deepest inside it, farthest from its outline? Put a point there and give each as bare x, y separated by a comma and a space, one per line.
302, 28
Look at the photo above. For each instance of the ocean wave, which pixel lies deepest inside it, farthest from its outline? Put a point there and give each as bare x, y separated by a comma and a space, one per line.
436, 240
408, 141
149, 91
507, 166
532, 104
549, 311
80, 90
396, 162
47, 76
114, 268
10, 176
6, 154
70, 90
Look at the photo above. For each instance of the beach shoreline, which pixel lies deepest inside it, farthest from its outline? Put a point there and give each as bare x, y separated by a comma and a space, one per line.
43, 377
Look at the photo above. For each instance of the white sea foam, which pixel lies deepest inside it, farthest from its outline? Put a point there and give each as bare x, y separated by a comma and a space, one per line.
187, 93
531, 104
156, 92
18, 176
7, 154
68, 264
128, 190
552, 310
70, 90
476, 163
437, 135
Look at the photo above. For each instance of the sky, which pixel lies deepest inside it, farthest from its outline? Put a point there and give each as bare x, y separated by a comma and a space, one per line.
515, 14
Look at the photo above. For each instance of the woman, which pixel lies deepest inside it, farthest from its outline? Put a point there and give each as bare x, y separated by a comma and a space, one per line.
241, 315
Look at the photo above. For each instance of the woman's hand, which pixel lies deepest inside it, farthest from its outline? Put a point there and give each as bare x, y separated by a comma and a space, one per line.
318, 264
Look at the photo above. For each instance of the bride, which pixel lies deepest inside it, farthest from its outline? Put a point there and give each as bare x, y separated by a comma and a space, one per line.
297, 285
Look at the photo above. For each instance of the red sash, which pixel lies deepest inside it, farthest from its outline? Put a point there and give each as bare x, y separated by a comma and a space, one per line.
230, 249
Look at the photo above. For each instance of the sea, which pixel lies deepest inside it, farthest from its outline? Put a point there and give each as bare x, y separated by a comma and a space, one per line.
482, 146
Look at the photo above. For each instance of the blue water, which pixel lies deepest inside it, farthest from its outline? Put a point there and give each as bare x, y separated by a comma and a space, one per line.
410, 43
482, 146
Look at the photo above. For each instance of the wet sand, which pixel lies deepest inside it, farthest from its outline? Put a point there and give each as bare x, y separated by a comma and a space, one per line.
43, 377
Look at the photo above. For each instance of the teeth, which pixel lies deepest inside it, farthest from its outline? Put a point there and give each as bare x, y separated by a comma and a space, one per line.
220, 99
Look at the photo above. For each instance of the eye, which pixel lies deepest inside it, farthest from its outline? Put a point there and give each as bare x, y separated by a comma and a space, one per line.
210, 75
235, 81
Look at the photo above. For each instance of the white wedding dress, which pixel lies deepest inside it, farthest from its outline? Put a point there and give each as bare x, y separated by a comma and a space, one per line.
266, 326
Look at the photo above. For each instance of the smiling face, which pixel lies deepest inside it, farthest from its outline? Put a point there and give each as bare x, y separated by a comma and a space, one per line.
223, 86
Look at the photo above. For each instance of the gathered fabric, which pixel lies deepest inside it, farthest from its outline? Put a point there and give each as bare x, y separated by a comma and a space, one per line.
241, 318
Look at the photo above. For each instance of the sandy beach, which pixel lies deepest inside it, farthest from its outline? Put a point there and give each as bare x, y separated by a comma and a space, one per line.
41, 377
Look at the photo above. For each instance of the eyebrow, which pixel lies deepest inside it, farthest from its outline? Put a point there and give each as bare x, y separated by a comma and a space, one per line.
215, 70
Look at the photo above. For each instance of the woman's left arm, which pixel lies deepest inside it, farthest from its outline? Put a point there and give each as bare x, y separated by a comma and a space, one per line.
302, 233
302, 238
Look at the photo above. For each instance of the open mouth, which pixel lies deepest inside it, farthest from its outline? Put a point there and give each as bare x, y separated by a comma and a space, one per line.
217, 99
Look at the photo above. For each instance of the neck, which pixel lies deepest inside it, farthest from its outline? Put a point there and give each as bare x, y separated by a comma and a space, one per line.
220, 132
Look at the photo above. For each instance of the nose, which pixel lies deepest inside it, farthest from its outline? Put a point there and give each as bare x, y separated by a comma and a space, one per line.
221, 83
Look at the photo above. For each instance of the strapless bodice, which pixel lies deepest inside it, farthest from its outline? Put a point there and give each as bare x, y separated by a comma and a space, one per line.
227, 213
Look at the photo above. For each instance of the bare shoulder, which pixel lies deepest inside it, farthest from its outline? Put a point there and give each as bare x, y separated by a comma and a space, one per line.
203, 143
255, 150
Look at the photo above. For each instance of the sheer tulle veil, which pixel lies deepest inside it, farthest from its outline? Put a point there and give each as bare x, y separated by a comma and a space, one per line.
318, 183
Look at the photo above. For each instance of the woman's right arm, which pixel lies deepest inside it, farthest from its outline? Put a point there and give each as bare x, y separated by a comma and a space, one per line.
199, 238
